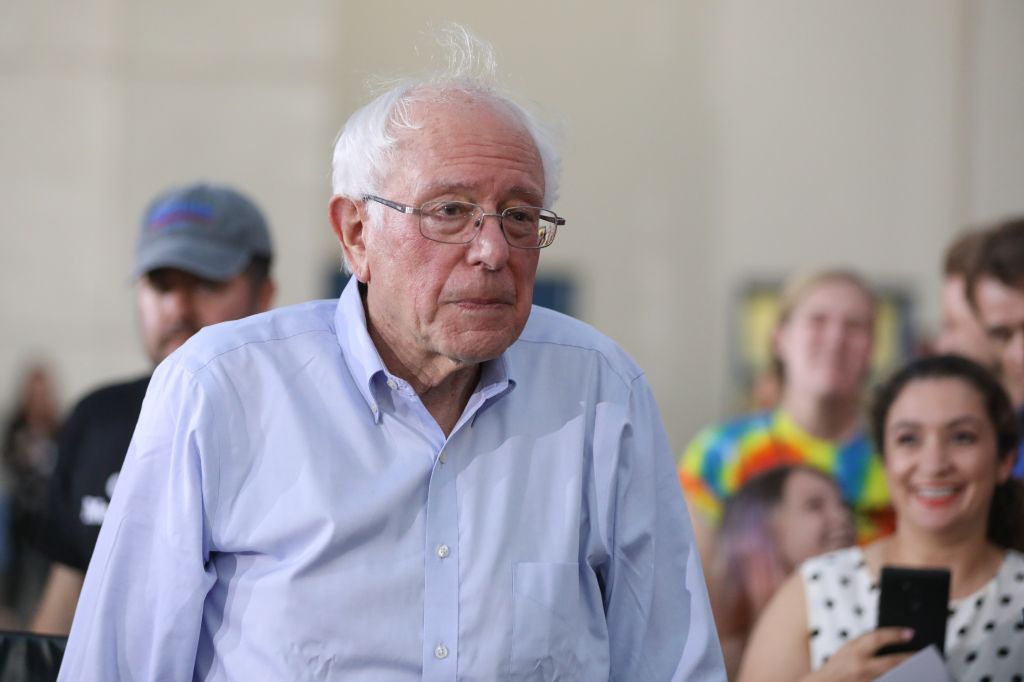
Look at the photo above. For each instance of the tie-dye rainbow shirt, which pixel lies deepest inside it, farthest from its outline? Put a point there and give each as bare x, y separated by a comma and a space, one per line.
721, 458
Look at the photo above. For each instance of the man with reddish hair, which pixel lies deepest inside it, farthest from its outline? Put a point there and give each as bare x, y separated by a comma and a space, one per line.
995, 289
962, 332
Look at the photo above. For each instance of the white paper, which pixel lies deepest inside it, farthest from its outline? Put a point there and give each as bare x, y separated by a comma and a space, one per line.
926, 664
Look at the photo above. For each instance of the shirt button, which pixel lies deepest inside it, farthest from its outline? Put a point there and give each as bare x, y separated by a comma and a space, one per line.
440, 651
392, 384
443, 457
443, 551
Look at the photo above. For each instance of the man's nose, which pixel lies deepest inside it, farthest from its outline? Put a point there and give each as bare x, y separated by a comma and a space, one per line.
490, 248
178, 303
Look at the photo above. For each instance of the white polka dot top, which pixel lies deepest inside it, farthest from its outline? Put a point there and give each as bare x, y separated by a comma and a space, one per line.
984, 633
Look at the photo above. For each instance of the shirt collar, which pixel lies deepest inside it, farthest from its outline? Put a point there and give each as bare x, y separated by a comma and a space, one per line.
360, 354
367, 368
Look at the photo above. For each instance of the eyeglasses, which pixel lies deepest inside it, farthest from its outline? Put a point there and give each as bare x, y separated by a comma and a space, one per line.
459, 222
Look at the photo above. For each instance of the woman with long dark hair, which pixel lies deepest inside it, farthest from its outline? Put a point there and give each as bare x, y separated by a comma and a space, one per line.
948, 436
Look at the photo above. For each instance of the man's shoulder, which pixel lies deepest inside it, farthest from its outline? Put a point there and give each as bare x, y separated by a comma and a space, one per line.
268, 329
550, 330
108, 395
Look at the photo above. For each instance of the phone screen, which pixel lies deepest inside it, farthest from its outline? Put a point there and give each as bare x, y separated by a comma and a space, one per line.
915, 598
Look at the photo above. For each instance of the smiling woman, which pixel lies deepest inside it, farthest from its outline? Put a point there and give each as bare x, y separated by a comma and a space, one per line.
948, 435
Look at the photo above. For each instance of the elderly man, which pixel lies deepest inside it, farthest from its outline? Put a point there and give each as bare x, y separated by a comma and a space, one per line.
426, 479
203, 256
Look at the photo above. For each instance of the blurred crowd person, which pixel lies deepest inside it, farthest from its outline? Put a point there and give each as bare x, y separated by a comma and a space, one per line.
823, 344
962, 332
203, 256
775, 521
29, 456
948, 435
995, 290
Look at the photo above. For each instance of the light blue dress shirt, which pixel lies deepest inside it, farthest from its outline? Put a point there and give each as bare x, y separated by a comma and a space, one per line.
289, 510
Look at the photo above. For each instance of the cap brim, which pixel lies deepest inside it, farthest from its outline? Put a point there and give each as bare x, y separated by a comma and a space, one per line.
209, 261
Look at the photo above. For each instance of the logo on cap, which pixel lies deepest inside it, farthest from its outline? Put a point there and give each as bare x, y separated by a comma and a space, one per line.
176, 215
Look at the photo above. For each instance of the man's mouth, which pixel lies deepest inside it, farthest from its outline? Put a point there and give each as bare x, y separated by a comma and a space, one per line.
483, 302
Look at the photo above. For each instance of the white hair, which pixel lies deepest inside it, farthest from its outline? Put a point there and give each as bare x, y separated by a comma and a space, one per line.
365, 146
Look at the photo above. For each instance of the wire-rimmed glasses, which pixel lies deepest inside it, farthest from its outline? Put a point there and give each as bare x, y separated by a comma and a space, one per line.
459, 222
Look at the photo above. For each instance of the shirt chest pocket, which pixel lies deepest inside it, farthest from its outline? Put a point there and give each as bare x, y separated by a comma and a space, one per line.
545, 627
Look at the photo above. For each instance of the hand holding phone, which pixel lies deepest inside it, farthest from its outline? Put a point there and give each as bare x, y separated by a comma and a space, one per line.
916, 598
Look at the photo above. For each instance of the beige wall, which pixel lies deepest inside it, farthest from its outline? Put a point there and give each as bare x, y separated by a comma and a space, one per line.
996, 110
705, 143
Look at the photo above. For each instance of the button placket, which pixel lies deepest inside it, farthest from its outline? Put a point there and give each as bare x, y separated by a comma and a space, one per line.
441, 574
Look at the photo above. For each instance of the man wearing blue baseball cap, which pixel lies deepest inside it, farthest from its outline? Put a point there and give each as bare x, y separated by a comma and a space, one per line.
203, 256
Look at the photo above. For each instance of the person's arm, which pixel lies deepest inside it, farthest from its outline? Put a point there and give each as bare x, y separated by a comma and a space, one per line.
704, 536
57, 604
659, 620
779, 648
140, 612
55, 539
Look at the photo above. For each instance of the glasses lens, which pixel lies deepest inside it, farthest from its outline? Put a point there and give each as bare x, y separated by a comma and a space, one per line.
528, 227
453, 222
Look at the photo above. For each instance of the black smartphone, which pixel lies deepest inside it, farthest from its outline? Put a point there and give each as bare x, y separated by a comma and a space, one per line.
915, 598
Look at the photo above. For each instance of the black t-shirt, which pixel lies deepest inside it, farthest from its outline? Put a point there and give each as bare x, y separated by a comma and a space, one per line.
90, 451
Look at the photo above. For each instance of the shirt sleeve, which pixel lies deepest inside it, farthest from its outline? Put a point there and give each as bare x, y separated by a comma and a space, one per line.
660, 625
140, 612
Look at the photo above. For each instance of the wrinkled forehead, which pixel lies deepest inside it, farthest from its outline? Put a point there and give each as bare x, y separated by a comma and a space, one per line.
461, 138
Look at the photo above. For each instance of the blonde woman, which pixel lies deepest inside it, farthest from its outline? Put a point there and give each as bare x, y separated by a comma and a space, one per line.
823, 344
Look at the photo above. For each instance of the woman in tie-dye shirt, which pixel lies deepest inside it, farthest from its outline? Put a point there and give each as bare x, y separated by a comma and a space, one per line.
823, 344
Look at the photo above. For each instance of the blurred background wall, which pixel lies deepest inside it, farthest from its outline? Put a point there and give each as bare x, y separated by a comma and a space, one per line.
707, 143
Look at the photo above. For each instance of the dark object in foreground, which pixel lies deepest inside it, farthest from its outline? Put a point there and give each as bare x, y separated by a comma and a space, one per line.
916, 598
28, 657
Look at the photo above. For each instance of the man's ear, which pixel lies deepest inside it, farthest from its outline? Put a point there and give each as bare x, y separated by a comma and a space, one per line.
348, 221
265, 295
